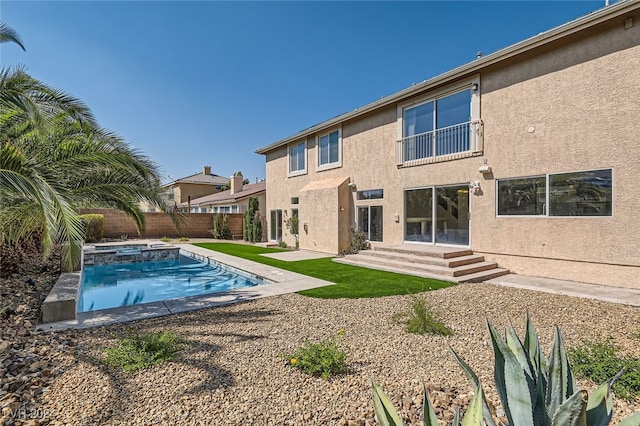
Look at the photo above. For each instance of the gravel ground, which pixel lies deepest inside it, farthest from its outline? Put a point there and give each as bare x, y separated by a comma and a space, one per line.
233, 370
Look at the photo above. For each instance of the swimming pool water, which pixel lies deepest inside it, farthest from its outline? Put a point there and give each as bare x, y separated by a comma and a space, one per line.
124, 284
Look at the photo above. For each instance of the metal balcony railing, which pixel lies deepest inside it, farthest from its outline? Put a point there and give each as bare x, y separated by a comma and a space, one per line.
440, 144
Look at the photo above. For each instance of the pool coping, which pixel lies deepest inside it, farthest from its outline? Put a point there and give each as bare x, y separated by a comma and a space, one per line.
279, 281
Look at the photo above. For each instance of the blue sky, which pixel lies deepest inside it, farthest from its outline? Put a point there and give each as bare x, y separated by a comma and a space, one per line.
207, 83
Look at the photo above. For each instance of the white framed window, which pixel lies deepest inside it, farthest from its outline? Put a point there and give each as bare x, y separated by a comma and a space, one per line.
570, 194
298, 159
330, 150
440, 126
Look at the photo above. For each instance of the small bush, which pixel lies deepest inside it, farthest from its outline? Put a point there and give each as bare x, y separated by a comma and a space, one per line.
322, 359
420, 318
94, 227
124, 237
282, 244
165, 239
358, 242
183, 239
292, 225
599, 361
136, 351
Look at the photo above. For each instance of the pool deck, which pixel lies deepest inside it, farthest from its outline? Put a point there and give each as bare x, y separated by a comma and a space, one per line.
280, 282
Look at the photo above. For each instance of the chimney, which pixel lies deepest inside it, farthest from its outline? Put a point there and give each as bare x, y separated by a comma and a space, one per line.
206, 170
236, 183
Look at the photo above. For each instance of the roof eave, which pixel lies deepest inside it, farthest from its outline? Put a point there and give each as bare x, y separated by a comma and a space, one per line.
579, 24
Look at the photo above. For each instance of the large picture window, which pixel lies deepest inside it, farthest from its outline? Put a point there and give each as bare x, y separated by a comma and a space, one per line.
581, 193
526, 196
297, 158
587, 193
329, 149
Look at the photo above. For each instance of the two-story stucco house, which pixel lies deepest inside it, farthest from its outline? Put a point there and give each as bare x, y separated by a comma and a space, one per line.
529, 156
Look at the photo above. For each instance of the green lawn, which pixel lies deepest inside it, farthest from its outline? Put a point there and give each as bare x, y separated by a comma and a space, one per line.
350, 281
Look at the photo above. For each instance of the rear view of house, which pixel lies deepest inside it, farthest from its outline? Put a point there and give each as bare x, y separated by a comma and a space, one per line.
528, 156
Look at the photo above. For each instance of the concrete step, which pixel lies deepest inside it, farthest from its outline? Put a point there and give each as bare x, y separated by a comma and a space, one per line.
483, 276
474, 277
356, 262
426, 260
427, 251
442, 270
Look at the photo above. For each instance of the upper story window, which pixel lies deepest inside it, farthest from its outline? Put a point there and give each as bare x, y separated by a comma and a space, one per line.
329, 150
295, 200
298, 159
440, 127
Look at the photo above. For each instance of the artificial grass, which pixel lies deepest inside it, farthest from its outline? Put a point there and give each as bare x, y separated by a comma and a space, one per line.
351, 282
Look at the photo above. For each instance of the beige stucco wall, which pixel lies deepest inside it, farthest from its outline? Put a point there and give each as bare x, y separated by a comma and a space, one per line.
570, 106
567, 109
182, 192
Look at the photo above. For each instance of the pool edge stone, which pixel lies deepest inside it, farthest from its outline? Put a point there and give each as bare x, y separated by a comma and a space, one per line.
60, 304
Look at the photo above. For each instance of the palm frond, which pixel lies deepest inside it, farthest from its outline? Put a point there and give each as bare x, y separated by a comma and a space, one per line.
9, 34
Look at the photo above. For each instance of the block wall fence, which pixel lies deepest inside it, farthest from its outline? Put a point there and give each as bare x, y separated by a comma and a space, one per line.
158, 225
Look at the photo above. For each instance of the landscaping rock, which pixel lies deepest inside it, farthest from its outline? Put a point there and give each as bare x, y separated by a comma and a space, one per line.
233, 369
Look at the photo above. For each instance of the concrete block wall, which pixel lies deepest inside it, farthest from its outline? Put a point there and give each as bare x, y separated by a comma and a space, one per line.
158, 225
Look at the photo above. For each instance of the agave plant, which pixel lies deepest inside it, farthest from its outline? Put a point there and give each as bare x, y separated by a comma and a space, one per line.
533, 390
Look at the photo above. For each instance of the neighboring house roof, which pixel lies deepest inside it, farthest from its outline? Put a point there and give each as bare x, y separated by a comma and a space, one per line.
612, 11
200, 178
249, 190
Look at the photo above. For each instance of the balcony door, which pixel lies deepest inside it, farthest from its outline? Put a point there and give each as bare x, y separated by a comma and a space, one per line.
437, 215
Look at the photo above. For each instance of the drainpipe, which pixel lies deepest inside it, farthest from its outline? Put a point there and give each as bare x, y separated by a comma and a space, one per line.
189, 204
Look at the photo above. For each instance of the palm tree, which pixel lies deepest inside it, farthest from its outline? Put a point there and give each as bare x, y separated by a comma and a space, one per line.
54, 159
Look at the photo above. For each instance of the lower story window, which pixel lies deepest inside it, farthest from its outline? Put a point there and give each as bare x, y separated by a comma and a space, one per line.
581, 193
526, 196
587, 193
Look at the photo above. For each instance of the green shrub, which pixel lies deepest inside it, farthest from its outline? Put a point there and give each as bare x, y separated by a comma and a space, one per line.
165, 239
292, 225
282, 244
183, 239
420, 318
251, 223
599, 361
135, 351
94, 227
534, 390
322, 359
221, 229
358, 242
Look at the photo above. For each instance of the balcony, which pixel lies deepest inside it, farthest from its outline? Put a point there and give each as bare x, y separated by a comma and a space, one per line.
447, 143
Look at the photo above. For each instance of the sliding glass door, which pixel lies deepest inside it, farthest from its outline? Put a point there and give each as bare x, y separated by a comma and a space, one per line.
276, 225
437, 215
370, 222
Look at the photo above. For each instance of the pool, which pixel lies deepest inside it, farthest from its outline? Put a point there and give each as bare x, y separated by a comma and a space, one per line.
105, 286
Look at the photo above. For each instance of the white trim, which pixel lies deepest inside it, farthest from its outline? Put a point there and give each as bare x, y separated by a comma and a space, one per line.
335, 164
